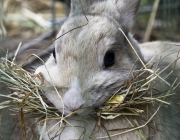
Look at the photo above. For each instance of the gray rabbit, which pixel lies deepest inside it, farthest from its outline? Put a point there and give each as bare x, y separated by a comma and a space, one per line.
93, 59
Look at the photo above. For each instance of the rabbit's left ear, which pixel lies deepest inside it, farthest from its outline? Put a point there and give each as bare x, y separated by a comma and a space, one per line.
78, 5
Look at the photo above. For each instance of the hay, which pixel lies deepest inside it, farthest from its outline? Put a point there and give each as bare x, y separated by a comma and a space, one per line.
25, 93
26, 96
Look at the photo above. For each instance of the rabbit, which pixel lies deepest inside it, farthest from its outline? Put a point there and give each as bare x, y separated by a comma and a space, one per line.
92, 60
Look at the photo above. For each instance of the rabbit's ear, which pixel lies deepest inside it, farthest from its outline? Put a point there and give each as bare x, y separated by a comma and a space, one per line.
123, 11
127, 9
78, 5
128, 6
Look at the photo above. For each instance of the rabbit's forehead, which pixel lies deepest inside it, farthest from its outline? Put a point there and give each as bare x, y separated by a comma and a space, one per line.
93, 26
87, 34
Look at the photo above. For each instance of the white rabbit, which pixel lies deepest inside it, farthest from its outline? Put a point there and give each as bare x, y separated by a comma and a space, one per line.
93, 59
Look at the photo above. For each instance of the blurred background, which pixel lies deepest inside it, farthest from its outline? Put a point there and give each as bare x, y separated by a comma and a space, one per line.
158, 20
33, 25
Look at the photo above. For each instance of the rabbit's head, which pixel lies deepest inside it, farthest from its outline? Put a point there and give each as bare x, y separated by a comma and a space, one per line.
92, 57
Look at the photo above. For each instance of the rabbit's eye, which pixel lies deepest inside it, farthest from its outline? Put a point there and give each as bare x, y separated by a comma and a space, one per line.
109, 59
54, 54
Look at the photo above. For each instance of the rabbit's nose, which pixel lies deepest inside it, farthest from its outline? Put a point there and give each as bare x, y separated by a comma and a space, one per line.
73, 99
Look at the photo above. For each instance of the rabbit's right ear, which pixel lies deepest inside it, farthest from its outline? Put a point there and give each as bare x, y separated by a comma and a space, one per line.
127, 9
130, 6
123, 11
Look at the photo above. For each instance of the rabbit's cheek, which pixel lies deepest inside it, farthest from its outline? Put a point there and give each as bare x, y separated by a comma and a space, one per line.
50, 72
